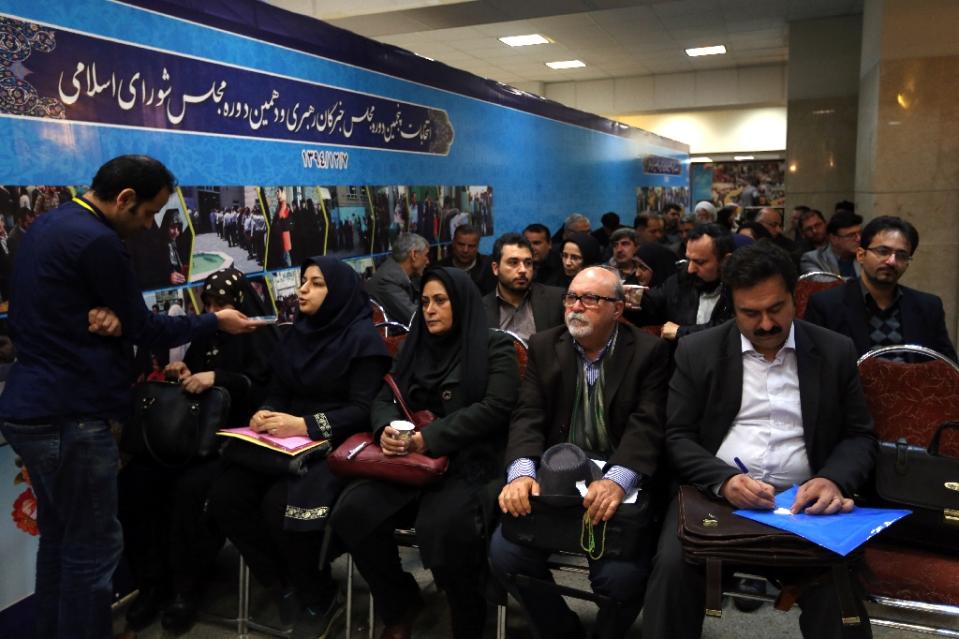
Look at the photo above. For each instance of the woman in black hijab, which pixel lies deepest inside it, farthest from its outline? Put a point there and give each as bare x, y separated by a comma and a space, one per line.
578, 251
169, 544
467, 375
326, 372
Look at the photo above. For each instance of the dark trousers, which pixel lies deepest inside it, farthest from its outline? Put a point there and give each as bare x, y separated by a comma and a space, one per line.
624, 582
676, 600
395, 592
170, 542
249, 508
73, 470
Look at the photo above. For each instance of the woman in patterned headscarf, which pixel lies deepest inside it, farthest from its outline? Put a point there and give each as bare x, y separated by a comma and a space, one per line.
169, 543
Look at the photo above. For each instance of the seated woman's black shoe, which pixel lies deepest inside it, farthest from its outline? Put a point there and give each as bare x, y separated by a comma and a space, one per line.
144, 609
180, 615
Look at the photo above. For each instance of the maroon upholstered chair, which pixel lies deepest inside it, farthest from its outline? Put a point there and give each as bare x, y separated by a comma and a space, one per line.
911, 400
810, 283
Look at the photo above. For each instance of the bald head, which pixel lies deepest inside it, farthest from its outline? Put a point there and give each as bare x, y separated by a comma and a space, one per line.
592, 318
772, 220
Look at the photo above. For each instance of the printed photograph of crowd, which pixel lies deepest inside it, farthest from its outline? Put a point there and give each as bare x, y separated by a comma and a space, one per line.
230, 228
19, 207
748, 184
655, 198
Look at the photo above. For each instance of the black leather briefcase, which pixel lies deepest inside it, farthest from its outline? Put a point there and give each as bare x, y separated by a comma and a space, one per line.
925, 482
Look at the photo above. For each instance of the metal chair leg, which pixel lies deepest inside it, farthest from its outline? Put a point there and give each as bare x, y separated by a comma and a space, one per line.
501, 621
349, 596
372, 617
243, 601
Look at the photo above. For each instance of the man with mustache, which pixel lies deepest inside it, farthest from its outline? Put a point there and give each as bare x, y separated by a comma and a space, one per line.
874, 309
600, 385
518, 304
693, 299
755, 406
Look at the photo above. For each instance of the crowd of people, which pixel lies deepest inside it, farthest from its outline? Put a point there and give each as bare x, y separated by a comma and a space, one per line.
736, 396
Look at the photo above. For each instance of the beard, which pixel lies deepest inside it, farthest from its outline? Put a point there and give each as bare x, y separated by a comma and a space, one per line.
578, 325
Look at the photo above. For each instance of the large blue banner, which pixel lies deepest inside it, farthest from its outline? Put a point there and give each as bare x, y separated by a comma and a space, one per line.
54, 73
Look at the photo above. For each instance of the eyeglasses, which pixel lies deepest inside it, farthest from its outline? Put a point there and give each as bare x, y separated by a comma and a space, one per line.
884, 252
849, 236
589, 300
571, 257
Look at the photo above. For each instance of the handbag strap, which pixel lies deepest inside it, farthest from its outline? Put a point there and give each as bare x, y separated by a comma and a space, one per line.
399, 397
934, 444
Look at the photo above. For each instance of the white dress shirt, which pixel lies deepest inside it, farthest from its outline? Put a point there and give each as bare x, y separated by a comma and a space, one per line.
707, 303
767, 434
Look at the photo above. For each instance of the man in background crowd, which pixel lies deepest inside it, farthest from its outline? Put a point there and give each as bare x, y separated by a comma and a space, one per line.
394, 285
838, 255
649, 235
464, 254
874, 309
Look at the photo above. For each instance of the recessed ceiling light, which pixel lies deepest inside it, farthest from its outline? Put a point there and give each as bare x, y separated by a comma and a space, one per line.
524, 40
716, 50
740, 158
701, 158
566, 64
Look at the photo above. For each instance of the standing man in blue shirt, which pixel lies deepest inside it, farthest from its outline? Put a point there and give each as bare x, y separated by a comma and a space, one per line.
75, 314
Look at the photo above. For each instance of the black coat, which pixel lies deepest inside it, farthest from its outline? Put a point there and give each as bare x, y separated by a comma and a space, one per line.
705, 395
547, 303
634, 398
843, 310
677, 301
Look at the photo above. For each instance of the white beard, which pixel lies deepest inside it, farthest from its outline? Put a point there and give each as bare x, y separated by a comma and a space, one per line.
578, 325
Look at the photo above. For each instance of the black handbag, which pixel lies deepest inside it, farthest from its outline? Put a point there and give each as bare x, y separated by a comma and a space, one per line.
558, 523
173, 426
925, 482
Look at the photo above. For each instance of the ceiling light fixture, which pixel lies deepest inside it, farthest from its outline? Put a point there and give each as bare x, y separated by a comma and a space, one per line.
701, 158
719, 49
525, 40
566, 64
740, 158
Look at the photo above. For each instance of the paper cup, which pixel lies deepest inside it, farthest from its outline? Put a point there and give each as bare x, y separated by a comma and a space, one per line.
634, 295
404, 429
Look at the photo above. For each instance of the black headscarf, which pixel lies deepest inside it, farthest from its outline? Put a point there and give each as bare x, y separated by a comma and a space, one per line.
590, 249
320, 346
427, 359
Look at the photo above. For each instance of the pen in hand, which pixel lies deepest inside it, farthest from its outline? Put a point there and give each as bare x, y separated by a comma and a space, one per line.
742, 466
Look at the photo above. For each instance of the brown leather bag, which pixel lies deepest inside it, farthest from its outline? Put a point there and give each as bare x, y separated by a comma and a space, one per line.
710, 534
361, 456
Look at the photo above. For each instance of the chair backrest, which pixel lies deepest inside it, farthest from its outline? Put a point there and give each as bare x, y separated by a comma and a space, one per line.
653, 329
390, 327
379, 315
911, 399
521, 348
806, 286
393, 343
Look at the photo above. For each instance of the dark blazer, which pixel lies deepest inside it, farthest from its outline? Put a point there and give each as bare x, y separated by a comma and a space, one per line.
547, 303
705, 394
634, 397
481, 273
392, 288
472, 435
677, 301
843, 310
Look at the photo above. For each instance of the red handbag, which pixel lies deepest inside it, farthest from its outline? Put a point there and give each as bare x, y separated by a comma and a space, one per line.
361, 456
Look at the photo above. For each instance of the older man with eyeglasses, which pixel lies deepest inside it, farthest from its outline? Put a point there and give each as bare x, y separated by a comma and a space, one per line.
838, 255
601, 385
874, 309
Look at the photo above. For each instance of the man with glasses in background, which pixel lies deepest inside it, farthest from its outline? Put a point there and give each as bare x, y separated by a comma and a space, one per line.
838, 255
600, 385
874, 309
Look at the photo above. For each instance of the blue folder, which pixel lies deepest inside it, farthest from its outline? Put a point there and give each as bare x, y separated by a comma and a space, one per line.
841, 533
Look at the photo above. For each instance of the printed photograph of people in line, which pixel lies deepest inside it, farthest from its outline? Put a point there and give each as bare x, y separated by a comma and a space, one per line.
173, 302
161, 255
390, 203
283, 287
19, 207
353, 229
655, 198
297, 228
230, 229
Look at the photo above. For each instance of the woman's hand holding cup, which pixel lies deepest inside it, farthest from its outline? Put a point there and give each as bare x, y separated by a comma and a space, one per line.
396, 437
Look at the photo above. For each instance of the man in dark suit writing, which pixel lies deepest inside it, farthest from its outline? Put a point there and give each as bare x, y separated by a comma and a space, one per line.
784, 397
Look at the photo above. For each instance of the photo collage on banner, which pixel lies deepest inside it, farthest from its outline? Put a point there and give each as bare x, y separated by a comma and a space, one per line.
750, 184
259, 230
655, 198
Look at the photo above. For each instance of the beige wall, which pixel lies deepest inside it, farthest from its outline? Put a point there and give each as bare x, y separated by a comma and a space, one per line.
720, 130
908, 143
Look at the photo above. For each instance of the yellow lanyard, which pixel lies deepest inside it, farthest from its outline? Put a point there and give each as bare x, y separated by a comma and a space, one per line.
87, 206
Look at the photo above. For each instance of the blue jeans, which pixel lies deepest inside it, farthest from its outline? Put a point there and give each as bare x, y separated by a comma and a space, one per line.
624, 582
73, 469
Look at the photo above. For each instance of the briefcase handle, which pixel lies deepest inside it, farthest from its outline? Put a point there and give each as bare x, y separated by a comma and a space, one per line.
934, 444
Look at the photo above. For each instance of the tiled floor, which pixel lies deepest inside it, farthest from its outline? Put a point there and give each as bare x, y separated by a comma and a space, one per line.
434, 622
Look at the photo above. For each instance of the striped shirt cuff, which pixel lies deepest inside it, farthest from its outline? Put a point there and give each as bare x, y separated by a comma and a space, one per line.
627, 479
522, 467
